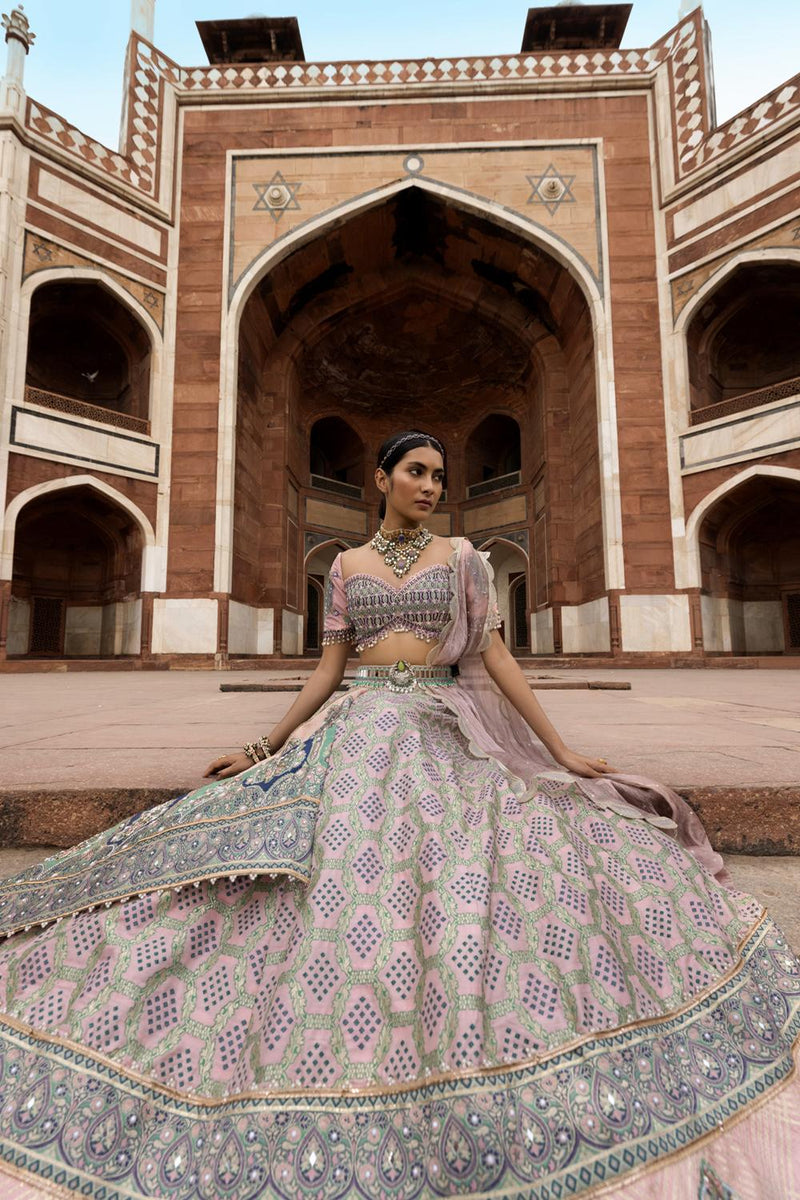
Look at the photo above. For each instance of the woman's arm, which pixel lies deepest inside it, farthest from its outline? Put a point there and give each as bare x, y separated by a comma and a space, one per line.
320, 687
506, 673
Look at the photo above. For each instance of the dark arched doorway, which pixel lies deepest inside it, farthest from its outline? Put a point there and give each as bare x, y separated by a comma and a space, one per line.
510, 566
87, 354
75, 590
336, 457
742, 342
493, 455
417, 314
318, 566
750, 559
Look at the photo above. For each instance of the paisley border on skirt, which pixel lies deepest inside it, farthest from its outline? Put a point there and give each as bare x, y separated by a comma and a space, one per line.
606, 1109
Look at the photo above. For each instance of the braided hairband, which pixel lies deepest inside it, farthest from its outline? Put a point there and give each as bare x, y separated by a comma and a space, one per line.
412, 437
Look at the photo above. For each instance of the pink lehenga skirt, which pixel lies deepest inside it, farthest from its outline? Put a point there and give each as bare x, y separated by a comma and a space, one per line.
378, 965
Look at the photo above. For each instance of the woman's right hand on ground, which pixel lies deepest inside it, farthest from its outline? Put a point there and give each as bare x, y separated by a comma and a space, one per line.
579, 764
227, 765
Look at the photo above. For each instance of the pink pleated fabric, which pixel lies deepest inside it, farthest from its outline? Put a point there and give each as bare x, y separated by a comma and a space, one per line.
496, 729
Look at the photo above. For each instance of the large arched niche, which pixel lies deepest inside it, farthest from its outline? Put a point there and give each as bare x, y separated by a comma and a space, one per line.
417, 314
749, 543
76, 577
742, 344
88, 353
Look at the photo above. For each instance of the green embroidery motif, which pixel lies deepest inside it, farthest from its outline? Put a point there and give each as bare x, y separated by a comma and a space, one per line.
711, 1186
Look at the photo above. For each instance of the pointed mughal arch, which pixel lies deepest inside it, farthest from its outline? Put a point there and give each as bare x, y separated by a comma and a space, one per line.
498, 540
766, 255
677, 397
83, 274
150, 551
694, 524
457, 198
326, 545
527, 231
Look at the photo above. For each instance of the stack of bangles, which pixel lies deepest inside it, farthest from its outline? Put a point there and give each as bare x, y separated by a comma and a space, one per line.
258, 751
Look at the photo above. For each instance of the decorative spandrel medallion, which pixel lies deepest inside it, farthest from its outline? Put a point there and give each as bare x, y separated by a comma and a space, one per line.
552, 189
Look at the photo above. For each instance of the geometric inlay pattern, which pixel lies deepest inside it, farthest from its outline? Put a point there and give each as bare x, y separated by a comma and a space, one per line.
551, 188
277, 196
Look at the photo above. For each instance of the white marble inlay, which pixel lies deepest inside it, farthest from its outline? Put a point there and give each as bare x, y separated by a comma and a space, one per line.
542, 632
655, 623
72, 439
19, 626
773, 172
585, 628
87, 207
122, 628
763, 626
82, 629
291, 632
716, 614
742, 626
184, 626
742, 436
250, 630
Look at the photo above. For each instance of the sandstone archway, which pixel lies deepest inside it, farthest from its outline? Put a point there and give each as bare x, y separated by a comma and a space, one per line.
742, 343
510, 565
76, 579
749, 542
317, 569
88, 354
415, 314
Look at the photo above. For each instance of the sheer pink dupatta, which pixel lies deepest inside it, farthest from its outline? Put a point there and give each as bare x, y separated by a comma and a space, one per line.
495, 728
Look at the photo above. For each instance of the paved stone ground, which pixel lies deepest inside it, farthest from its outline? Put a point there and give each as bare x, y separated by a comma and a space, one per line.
774, 880
159, 729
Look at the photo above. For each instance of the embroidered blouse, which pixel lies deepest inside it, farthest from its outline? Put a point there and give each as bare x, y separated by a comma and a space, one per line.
364, 609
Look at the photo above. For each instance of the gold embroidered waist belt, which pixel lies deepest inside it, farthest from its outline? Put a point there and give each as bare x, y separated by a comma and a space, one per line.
403, 677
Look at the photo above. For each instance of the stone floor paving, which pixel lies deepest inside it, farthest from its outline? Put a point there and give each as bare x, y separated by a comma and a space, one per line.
159, 729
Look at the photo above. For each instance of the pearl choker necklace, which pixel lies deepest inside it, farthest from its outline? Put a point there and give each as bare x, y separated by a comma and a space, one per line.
400, 548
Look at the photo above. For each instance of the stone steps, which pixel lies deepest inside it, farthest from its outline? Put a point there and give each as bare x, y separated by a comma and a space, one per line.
742, 820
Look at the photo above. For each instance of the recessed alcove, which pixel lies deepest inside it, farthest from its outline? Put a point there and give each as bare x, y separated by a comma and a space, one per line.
87, 354
75, 590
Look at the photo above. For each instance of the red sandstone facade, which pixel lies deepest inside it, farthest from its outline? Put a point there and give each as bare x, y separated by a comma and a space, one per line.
551, 260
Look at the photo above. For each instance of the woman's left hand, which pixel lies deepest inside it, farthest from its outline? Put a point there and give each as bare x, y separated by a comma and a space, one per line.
579, 764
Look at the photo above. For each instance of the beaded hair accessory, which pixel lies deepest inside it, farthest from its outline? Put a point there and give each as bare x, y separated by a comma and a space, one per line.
412, 437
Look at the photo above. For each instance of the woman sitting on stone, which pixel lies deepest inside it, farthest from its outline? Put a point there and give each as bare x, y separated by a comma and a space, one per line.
408, 945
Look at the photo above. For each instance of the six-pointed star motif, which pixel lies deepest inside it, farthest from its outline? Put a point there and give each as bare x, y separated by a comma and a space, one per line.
551, 188
277, 196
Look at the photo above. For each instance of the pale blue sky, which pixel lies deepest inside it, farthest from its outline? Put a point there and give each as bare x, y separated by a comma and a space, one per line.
75, 65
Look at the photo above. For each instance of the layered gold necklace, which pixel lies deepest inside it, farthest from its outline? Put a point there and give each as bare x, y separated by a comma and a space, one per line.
400, 548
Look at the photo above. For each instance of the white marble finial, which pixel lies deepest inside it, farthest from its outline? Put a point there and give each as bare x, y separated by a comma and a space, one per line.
18, 39
17, 28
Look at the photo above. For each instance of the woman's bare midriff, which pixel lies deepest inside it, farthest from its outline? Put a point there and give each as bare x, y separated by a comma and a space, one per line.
397, 645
